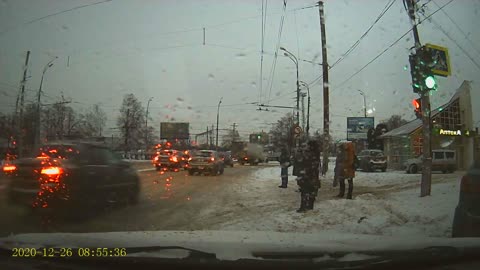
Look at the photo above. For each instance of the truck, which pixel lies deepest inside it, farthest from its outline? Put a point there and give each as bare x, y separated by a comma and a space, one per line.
251, 153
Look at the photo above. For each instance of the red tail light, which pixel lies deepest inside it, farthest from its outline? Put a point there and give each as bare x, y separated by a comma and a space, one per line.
9, 168
468, 185
51, 171
174, 159
156, 158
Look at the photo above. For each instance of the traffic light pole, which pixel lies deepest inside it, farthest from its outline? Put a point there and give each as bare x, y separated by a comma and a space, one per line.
426, 183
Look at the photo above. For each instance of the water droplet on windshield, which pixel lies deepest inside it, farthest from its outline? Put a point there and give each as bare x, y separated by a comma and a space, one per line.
240, 55
64, 27
164, 70
180, 99
254, 84
210, 76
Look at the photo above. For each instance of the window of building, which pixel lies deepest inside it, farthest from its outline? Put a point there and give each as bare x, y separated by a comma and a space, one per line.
450, 155
449, 118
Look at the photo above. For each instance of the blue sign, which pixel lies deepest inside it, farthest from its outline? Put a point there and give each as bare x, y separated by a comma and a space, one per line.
357, 127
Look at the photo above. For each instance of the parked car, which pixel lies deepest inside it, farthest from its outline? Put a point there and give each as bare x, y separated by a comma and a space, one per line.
371, 160
170, 159
442, 160
206, 161
72, 175
227, 158
466, 221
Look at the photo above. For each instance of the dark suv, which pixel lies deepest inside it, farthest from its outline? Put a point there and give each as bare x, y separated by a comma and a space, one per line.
371, 160
68, 175
206, 161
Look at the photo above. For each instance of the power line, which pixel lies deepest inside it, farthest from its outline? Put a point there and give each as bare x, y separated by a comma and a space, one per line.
389, 47
264, 22
356, 43
459, 28
456, 43
54, 14
274, 64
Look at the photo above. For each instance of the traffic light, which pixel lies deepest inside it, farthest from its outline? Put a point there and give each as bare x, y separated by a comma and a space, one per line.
417, 105
259, 136
426, 64
421, 65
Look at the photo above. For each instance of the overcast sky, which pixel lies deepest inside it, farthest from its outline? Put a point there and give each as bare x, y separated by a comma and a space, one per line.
155, 49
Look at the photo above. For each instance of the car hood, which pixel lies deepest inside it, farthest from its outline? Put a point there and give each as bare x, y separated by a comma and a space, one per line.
235, 245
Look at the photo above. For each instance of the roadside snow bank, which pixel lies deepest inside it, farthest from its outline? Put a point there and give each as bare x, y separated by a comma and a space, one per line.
397, 213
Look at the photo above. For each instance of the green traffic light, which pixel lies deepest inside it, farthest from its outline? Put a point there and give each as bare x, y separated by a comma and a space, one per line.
258, 137
430, 82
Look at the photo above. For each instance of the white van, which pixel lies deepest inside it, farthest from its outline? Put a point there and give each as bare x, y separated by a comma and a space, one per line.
442, 160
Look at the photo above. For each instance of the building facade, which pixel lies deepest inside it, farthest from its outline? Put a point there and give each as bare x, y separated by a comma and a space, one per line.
452, 128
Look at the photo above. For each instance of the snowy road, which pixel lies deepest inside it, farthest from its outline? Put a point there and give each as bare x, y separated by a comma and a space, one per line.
247, 198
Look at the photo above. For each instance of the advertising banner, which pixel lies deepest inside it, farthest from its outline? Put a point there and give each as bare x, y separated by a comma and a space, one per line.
172, 131
357, 127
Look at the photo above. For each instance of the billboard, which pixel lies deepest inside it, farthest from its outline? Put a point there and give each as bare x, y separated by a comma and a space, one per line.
357, 127
171, 131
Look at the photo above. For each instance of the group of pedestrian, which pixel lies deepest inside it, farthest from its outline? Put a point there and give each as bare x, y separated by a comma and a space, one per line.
307, 166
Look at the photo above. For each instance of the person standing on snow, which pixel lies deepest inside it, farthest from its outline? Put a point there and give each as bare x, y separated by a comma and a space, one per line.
308, 179
345, 168
284, 164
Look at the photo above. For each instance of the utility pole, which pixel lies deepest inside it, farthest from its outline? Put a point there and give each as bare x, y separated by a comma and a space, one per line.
211, 136
218, 115
303, 110
233, 132
426, 183
326, 104
20, 118
207, 135
146, 126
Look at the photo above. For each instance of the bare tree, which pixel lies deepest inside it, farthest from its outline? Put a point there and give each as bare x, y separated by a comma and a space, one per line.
131, 122
394, 122
96, 119
282, 132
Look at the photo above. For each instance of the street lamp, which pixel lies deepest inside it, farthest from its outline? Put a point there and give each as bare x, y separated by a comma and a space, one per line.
294, 59
364, 102
218, 113
37, 126
308, 106
146, 126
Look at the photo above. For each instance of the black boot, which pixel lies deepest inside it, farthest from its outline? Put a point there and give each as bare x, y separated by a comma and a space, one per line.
342, 188
350, 188
303, 204
311, 201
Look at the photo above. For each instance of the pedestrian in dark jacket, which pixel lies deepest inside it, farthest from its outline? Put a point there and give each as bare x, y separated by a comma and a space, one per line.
308, 179
284, 164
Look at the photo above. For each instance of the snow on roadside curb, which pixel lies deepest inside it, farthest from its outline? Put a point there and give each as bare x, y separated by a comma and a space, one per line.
398, 213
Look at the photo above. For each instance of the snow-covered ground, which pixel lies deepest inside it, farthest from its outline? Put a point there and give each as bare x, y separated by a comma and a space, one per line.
384, 204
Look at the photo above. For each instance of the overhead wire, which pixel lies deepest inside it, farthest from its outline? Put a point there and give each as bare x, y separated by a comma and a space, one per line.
274, 63
357, 42
54, 14
456, 43
386, 49
459, 28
